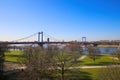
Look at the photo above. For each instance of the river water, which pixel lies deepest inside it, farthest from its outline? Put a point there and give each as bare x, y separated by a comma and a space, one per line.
106, 50
103, 50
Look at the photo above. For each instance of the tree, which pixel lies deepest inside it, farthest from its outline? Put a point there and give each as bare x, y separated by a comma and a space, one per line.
117, 54
74, 47
75, 50
61, 58
93, 53
37, 62
42, 63
3, 49
110, 73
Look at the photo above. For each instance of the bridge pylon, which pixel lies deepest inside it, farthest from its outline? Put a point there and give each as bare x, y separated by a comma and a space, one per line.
83, 39
40, 36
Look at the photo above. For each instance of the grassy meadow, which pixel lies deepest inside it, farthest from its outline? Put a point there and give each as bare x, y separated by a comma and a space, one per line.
12, 56
102, 60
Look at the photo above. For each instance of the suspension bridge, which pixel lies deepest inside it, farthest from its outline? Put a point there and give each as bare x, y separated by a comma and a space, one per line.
41, 39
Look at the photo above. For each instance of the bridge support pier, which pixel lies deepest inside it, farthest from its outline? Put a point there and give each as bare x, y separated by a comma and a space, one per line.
41, 45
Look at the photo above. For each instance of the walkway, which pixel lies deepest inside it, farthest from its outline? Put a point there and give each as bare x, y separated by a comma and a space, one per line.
82, 57
86, 67
16, 66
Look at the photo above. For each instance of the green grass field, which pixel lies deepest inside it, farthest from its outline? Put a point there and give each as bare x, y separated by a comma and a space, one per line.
91, 73
81, 74
102, 60
12, 56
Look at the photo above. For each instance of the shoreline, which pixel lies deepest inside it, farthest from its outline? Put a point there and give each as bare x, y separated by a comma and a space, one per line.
114, 46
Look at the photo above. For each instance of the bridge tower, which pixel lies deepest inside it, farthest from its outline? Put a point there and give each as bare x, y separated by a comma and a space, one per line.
83, 39
40, 35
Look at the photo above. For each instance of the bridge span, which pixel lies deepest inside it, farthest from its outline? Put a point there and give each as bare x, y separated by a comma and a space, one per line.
41, 40
42, 43
35, 42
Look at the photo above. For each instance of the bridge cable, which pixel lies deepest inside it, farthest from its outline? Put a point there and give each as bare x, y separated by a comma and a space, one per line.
25, 37
51, 37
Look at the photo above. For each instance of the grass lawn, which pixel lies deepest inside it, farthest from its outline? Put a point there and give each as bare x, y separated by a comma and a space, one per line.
81, 74
12, 56
93, 73
102, 60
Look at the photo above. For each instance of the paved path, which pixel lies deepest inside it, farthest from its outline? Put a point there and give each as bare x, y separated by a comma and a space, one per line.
82, 57
86, 67
16, 66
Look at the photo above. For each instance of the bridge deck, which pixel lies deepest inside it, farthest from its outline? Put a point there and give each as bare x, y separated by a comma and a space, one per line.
36, 42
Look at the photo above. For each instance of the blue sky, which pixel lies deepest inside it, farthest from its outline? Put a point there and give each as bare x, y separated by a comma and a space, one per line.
62, 19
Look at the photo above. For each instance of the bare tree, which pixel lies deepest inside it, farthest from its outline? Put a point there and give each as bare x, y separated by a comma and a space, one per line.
61, 59
37, 63
3, 49
110, 73
74, 47
93, 53
75, 50
42, 63
60, 63
117, 54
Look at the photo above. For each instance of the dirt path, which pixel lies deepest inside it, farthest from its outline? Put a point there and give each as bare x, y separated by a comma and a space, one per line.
13, 66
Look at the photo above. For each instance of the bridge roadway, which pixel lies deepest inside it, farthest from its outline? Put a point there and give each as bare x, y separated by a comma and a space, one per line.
36, 42
42, 43
69, 42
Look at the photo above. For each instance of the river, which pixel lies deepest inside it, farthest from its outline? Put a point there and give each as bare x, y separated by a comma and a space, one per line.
106, 50
103, 50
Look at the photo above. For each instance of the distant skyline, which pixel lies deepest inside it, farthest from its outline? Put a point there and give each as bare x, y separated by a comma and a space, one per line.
62, 19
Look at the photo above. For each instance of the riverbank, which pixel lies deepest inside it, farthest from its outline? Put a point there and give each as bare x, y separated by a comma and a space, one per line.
114, 46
